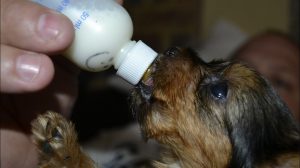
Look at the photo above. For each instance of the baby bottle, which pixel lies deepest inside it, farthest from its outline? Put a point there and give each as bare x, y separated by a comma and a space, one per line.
103, 31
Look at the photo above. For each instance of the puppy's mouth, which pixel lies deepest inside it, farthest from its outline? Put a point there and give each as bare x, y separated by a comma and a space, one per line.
147, 83
142, 96
146, 86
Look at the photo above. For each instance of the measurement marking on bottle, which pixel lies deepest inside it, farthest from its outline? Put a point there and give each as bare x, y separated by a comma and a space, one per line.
63, 4
77, 24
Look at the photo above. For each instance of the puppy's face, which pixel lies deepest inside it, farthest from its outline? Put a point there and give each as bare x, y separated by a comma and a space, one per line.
205, 110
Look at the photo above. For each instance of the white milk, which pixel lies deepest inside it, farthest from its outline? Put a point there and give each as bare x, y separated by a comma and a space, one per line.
103, 30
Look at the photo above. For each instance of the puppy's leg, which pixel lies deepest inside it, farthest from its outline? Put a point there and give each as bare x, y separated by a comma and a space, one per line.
56, 141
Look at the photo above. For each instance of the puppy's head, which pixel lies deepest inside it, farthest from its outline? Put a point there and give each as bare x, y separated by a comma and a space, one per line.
220, 111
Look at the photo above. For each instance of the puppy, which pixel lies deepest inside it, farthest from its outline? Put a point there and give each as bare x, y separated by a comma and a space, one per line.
217, 114
212, 115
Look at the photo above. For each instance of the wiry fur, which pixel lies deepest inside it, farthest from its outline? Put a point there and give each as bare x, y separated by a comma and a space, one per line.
249, 127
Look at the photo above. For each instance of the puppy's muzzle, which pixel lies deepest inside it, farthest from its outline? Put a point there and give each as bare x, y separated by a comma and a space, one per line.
147, 83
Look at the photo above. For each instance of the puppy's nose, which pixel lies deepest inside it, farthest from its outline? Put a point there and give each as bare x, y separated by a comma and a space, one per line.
172, 52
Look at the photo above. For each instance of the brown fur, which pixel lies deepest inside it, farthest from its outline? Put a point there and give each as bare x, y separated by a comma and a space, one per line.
175, 105
177, 110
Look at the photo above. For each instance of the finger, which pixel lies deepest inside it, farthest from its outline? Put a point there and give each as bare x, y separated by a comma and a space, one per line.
16, 147
30, 26
23, 71
17, 150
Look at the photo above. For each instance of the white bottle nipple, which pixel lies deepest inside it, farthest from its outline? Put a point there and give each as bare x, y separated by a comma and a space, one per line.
136, 62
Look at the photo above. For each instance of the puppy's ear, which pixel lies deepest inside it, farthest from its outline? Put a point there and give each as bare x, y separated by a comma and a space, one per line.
261, 125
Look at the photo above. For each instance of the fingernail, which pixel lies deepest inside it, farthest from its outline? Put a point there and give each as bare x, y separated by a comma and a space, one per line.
28, 67
49, 26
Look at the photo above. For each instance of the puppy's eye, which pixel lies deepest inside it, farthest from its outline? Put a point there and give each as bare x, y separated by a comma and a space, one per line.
219, 90
173, 51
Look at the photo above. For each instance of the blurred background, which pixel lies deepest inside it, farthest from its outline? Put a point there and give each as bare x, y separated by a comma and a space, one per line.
214, 28
200, 23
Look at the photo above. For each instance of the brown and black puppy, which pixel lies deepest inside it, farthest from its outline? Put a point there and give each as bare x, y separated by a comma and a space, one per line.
217, 114
210, 115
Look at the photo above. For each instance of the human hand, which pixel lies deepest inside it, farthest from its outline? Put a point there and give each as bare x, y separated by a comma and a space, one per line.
29, 34
27, 30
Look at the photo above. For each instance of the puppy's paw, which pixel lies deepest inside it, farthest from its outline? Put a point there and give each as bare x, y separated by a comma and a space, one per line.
56, 140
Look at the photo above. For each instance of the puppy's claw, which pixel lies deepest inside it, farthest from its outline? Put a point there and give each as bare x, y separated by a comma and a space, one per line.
56, 141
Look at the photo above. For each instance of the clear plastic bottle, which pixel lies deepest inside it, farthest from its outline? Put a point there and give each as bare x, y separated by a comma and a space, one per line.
103, 31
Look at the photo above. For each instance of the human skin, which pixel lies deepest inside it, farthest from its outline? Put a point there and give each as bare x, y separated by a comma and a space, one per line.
34, 77
276, 58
